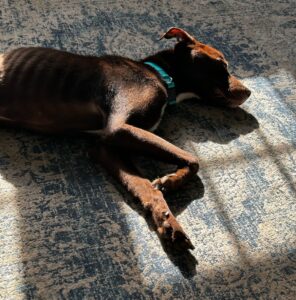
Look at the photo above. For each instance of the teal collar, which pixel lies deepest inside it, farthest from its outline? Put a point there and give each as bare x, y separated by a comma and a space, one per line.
167, 79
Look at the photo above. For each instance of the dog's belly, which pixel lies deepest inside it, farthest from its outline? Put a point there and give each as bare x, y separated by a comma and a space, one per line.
57, 118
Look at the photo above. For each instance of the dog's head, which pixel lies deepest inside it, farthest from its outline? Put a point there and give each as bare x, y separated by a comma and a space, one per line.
203, 70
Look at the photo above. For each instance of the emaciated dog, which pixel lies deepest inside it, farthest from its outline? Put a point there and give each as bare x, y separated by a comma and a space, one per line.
123, 100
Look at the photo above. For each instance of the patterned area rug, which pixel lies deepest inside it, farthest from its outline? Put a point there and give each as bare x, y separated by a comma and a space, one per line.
68, 231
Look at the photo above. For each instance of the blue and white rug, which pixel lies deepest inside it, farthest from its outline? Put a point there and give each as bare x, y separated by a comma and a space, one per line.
68, 231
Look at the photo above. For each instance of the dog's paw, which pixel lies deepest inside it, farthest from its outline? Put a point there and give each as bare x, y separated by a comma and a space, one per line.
170, 230
166, 183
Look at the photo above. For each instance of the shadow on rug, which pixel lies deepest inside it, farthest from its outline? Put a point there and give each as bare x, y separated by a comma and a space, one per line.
68, 231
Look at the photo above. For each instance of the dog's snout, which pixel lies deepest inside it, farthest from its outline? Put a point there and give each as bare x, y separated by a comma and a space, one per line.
243, 94
238, 92
240, 96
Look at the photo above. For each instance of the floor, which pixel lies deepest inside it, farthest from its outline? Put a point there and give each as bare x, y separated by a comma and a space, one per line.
69, 231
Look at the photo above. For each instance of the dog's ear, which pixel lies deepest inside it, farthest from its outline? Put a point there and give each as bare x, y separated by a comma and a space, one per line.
179, 34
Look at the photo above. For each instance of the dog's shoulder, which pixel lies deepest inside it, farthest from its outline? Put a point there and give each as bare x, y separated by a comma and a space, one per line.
128, 72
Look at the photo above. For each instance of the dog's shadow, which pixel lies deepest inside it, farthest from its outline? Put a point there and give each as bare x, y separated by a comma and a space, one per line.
194, 121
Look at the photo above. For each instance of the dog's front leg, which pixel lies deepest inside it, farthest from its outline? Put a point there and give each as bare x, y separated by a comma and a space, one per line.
121, 167
135, 139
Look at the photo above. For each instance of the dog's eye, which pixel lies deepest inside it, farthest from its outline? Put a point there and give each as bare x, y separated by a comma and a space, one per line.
222, 62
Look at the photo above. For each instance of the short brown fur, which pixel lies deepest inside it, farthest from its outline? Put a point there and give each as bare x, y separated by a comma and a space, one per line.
54, 91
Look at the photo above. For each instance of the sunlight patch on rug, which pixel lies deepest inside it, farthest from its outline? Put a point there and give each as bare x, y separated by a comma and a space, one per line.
11, 245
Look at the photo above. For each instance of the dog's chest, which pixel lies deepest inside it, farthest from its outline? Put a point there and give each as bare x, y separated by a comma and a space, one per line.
158, 120
180, 97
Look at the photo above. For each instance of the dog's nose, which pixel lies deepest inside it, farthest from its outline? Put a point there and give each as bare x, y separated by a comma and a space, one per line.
244, 94
239, 96
239, 93
248, 93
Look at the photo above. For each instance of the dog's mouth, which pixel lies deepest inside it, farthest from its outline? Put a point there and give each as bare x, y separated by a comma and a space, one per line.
234, 95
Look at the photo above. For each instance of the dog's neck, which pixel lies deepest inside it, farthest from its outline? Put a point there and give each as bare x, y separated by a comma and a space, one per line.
166, 59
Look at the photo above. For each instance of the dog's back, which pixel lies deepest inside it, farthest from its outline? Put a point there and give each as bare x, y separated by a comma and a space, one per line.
52, 91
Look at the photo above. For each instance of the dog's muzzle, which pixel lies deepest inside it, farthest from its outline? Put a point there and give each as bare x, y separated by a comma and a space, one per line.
237, 93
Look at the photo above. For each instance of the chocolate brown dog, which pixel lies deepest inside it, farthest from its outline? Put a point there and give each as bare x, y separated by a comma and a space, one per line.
123, 100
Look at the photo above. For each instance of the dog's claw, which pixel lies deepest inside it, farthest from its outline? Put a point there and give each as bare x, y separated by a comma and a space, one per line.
156, 186
166, 214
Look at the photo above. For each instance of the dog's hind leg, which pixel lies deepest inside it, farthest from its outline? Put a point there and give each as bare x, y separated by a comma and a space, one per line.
122, 168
